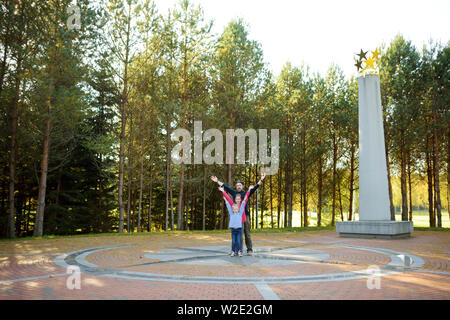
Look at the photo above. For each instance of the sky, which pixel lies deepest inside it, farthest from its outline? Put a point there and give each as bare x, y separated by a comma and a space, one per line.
319, 32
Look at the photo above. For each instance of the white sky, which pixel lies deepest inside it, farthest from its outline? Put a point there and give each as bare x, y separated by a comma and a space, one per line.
321, 32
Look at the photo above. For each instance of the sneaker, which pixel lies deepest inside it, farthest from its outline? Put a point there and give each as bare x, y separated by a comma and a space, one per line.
240, 253
232, 254
249, 252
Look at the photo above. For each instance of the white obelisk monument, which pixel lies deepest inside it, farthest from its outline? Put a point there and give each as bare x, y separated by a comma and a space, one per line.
374, 213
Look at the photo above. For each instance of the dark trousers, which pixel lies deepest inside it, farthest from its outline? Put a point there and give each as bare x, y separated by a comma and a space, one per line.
236, 239
246, 233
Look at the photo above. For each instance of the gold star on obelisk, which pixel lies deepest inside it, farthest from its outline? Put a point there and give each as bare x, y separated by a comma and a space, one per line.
362, 55
369, 63
358, 65
376, 54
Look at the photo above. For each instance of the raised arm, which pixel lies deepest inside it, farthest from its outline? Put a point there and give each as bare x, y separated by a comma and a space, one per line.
257, 184
227, 198
230, 210
229, 190
221, 184
244, 203
252, 191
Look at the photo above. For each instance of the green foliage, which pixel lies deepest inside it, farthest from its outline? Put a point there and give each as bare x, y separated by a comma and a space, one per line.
170, 70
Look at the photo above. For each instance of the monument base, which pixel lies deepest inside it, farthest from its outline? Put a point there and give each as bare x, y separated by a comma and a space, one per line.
375, 229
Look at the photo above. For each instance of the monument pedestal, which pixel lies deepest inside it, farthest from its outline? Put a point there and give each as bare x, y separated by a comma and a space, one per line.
375, 229
374, 209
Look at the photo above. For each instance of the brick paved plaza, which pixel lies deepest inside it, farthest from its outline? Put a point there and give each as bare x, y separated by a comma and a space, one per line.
292, 266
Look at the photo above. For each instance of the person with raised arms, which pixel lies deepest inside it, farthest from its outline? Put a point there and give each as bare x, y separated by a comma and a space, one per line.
236, 213
239, 193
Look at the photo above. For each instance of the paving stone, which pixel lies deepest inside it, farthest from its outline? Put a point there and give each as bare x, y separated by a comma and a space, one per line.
307, 265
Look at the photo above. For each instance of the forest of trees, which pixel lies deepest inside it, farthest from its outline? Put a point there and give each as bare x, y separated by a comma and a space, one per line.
87, 113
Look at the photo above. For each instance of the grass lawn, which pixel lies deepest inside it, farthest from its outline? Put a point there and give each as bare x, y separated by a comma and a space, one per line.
420, 218
262, 231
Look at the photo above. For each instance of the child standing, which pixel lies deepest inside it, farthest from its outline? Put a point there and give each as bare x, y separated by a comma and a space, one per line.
235, 222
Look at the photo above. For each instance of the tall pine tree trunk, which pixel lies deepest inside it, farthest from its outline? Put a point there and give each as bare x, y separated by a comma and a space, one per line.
301, 202
166, 216
279, 198
403, 155
133, 216
333, 213
180, 200
263, 206
149, 227
304, 178
430, 185
436, 168
256, 199
172, 227
230, 151
27, 227
100, 189
340, 200
305, 201
291, 186
121, 158
39, 223
12, 154
351, 182
271, 202
14, 115
448, 170
4, 228
39, 220
141, 179
286, 196
180, 209
221, 214
187, 203
391, 199
409, 188
5, 48
129, 203
204, 199
123, 123
319, 191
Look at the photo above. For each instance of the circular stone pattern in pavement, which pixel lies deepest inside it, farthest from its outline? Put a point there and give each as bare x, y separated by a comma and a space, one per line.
264, 256
214, 256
